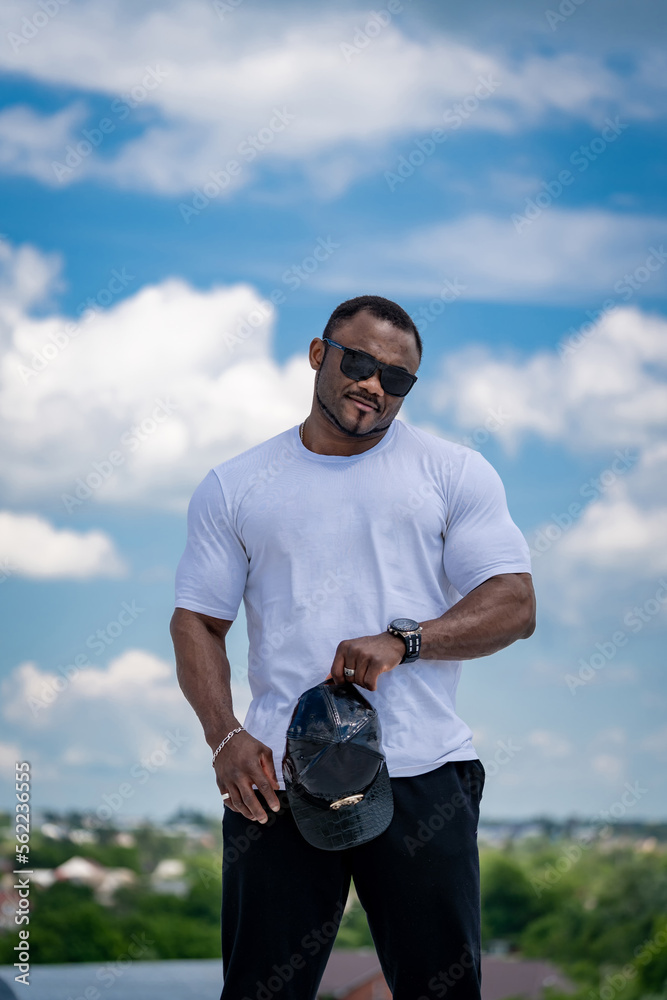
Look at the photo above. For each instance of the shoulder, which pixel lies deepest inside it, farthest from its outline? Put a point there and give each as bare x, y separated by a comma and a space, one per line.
239, 467
461, 471
224, 480
429, 443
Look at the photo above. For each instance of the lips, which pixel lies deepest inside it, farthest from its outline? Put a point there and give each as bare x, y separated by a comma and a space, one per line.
364, 404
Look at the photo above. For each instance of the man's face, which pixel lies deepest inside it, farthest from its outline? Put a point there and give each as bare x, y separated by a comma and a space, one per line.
359, 409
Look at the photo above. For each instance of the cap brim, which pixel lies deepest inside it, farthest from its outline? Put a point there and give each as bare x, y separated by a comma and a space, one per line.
349, 826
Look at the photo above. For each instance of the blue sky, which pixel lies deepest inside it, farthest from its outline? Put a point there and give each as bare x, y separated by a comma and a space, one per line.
188, 190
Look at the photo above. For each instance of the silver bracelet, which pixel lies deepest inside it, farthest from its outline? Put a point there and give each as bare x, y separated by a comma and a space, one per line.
226, 740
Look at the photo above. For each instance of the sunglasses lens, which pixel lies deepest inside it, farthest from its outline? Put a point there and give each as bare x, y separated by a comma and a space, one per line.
357, 366
396, 382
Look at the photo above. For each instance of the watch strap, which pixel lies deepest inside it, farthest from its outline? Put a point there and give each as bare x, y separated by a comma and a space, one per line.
413, 643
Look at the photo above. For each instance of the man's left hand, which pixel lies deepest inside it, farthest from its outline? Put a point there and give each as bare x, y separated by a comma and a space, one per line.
369, 656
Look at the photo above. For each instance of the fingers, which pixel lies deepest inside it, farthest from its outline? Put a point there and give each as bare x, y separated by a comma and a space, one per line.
252, 804
366, 676
239, 779
338, 665
353, 655
242, 799
267, 782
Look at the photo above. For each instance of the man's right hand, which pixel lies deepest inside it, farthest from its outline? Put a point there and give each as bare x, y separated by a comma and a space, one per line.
242, 762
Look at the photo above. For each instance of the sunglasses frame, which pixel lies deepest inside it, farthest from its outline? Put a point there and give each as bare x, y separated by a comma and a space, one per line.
381, 365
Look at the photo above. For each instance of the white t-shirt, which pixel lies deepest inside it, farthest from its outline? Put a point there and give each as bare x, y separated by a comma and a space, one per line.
323, 548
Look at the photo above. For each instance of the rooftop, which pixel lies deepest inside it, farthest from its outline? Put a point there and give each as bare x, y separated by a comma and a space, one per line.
201, 980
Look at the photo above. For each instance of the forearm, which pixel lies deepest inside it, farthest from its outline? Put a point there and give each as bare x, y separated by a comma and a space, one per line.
492, 616
204, 674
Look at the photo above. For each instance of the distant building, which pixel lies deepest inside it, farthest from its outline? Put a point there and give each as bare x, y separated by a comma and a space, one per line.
169, 878
512, 977
353, 975
104, 881
356, 975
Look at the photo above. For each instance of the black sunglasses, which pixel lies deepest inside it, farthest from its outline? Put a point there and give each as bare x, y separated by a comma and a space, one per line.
358, 365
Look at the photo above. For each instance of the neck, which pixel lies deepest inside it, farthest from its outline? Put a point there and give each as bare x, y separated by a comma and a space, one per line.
321, 436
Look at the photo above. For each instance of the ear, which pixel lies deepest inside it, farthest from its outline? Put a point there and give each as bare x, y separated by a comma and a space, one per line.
316, 353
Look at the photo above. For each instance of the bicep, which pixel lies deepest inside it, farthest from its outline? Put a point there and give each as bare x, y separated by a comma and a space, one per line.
184, 621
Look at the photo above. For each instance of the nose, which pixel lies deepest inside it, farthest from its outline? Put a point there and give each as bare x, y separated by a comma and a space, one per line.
372, 384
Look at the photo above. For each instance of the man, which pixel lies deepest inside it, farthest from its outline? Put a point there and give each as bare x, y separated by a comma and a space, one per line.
330, 532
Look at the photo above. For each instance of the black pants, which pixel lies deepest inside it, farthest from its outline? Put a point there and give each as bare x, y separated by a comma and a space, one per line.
282, 899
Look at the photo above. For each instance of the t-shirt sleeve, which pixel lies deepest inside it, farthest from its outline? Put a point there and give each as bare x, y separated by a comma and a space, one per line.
481, 539
212, 573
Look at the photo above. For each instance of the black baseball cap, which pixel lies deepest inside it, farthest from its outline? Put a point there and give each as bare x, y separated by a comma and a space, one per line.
335, 772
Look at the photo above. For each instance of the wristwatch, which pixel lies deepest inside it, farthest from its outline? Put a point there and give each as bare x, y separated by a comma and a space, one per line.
410, 632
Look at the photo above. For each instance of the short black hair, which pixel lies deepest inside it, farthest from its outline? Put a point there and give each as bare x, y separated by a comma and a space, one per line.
378, 307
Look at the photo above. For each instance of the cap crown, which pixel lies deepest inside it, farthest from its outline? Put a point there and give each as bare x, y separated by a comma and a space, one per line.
334, 745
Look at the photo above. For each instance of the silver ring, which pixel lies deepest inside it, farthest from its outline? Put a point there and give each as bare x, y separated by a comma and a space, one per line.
348, 672
225, 795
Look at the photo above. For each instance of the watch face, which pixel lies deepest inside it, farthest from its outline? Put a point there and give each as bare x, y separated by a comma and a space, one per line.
405, 624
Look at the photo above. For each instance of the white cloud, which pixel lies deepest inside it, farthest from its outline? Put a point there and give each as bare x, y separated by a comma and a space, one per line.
137, 402
656, 742
27, 277
610, 767
10, 756
604, 399
133, 683
127, 723
607, 393
32, 547
564, 256
216, 82
29, 139
550, 744
616, 534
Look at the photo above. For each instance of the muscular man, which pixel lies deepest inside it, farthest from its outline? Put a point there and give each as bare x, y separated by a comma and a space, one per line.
329, 533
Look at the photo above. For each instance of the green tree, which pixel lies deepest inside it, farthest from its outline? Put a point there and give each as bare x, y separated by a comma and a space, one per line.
509, 902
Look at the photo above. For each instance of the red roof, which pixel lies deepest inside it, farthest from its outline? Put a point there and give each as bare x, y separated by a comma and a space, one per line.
502, 977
